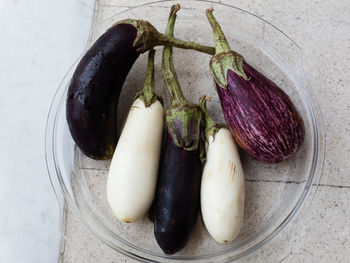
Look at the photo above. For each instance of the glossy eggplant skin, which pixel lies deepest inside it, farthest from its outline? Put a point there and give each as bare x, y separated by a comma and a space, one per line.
177, 200
91, 106
261, 117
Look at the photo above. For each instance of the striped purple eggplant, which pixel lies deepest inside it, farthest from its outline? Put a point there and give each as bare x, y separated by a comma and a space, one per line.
92, 99
176, 205
260, 115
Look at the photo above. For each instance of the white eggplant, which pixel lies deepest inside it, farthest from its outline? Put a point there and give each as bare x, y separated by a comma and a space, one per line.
222, 187
133, 171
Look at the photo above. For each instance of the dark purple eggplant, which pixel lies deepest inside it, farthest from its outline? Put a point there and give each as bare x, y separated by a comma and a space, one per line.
176, 205
177, 202
260, 115
97, 81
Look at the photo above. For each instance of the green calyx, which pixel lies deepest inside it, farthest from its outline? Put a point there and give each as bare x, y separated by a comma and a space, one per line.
183, 123
224, 58
183, 119
224, 61
147, 94
211, 127
148, 37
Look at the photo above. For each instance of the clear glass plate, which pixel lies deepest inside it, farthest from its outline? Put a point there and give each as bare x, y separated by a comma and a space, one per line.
274, 193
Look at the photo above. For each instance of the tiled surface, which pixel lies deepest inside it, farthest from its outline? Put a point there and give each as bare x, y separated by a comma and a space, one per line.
323, 31
322, 236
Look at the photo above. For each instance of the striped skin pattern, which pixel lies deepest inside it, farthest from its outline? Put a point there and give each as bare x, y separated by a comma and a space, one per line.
261, 117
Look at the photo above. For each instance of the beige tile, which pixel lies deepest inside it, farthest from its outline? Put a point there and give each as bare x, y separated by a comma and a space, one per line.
80, 246
89, 188
321, 235
324, 234
84, 162
334, 96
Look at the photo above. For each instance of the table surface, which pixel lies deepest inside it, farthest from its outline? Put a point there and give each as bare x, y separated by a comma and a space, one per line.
40, 39
323, 30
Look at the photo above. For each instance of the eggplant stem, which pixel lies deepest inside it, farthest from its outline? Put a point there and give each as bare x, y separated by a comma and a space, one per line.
168, 39
183, 119
221, 44
165, 40
168, 69
149, 81
148, 94
148, 37
211, 127
209, 122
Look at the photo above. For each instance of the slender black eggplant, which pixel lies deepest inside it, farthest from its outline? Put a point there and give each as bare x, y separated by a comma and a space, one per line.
260, 115
177, 199
97, 81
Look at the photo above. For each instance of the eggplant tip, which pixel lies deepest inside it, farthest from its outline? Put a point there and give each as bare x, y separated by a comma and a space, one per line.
168, 244
176, 7
206, 98
211, 9
168, 252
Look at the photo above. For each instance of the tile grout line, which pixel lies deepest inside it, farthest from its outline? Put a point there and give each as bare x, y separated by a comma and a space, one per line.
274, 181
159, 6
92, 169
335, 186
254, 180
296, 182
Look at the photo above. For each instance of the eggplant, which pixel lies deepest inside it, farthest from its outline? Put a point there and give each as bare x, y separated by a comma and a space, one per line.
177, 200
133, 172
222, 186
93, 93
260, 115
